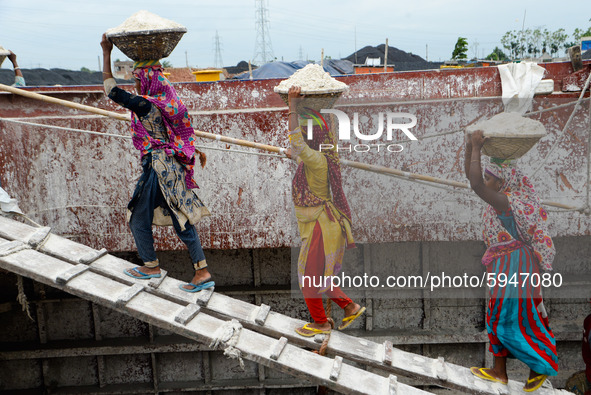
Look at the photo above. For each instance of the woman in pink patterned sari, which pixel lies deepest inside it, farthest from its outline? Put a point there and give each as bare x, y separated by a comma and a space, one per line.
518, 248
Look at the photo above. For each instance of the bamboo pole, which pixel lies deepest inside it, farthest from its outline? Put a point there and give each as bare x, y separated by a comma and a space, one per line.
65, 103
420, 177
251, 144
405, 174
244, 143
123, 117
386, 58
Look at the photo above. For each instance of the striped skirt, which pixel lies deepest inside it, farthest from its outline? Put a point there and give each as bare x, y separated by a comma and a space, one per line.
516, 319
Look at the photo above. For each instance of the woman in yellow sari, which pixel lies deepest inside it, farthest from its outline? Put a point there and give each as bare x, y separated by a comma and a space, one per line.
324, 222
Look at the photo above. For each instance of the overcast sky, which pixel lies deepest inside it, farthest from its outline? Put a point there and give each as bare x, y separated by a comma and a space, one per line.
66, 34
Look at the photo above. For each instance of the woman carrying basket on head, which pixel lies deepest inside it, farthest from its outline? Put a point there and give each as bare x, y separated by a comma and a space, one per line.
518, 248
164, 195
324, 222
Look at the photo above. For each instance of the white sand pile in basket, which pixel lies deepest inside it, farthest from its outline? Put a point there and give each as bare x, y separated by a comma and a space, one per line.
509, 124
144, 20
312, 79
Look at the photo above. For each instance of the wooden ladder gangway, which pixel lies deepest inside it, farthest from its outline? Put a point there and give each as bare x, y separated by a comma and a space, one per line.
267, 337
98, 277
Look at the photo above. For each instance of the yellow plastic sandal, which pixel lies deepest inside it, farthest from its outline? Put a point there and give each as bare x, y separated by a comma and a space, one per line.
481, 374
313, 331
349, 320
541, 378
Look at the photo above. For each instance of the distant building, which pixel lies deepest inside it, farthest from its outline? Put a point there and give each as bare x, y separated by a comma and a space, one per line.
123, 69
372, 65
545, 57
373, 61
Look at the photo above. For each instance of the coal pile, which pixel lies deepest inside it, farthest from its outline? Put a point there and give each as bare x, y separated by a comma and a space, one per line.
401, 60
51, 77
241, 67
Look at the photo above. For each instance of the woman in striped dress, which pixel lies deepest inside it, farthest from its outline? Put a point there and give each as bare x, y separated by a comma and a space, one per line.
518, 249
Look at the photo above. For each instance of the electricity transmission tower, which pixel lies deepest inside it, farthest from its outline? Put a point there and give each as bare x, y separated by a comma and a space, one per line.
263, 51
301, 54
217, 61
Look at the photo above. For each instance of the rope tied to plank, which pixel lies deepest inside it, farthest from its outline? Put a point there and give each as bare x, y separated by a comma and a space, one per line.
226, 337
22, 297
322, 351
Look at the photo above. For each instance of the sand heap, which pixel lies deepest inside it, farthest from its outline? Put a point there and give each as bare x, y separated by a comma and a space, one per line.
146, 36
3, 54
509, 124
142, 21
509, 135
312, 79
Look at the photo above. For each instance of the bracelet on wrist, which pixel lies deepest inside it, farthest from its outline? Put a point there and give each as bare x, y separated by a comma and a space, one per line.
17, 68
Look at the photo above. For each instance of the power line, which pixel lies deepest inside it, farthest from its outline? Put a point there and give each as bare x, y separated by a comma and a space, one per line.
263, 52
217, 60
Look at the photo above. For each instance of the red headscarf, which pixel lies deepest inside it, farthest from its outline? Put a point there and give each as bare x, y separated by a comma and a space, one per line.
181, 139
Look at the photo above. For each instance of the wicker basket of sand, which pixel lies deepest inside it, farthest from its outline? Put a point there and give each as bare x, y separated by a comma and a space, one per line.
146, 36
320, 90
509, 135
3, 54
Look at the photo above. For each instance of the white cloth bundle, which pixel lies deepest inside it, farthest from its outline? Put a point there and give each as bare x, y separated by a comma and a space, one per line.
8, 204
519, 82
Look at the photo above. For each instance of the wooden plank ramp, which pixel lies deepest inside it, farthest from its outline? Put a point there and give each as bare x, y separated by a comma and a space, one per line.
382, 357
183, 315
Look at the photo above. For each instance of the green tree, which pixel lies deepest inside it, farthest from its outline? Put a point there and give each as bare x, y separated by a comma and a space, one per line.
546, 40
85, 69
166, 64
460, 49
536, 39
510, 43
523, 37
578, 33
497, 54
559, 38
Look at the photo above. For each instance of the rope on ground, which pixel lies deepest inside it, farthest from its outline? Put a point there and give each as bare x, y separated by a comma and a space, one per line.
561, 135
22, 297
226, 337
64, 128
30, 220
12, 247
571, 103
